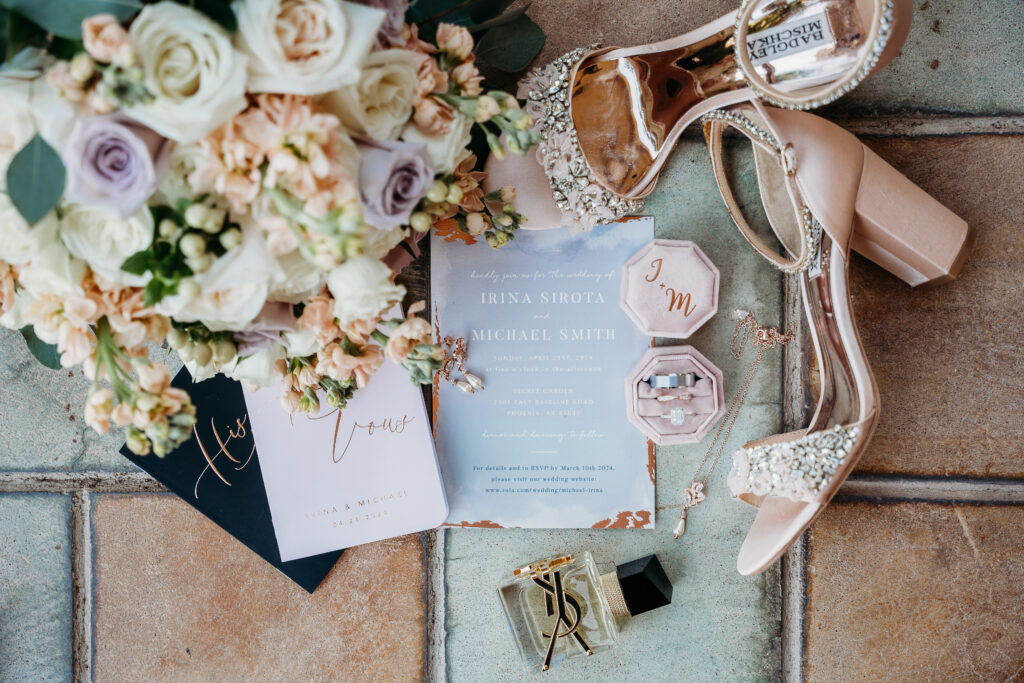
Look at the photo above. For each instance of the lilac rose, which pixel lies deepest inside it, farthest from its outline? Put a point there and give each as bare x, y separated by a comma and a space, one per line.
273, 320
393, 178
114, 162
390, 33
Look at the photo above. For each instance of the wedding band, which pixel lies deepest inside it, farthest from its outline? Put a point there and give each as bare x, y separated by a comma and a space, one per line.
676, 416
669, 381
675, 397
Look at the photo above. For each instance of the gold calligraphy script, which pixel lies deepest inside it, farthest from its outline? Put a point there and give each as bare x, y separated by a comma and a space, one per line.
677, 301
566, 610
390, 425
239, 432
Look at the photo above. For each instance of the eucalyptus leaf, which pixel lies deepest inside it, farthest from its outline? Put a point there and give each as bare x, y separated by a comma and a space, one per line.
35, 179
483, 10
218, 10
511, 47
506, 18
45, 353
64, 17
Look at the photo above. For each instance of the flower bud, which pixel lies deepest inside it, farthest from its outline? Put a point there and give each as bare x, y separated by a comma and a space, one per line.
188, 290
476, 223
176, 338
192, 246
167, 228
504, 220
199, 264
214, 221
202, 355
82, 67
186, 352
224, 351
231, 238
454, 194
420, 221
437, 192
197, 215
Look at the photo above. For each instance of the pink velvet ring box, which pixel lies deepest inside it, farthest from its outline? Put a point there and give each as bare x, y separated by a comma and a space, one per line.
699, 413
669, 288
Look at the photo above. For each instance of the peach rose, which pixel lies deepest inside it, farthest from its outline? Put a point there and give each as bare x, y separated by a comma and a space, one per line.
455, 40
103, 37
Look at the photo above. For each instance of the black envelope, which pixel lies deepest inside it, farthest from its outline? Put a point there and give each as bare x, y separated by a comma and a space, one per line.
219, 475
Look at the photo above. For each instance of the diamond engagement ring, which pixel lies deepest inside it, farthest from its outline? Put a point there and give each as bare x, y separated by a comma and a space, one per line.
676, 416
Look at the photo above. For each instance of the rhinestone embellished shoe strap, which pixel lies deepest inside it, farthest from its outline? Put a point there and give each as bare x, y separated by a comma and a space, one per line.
799, 469
714, 123
878, 35
581, 198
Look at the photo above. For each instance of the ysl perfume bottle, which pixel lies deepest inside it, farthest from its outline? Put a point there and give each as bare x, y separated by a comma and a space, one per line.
560, 608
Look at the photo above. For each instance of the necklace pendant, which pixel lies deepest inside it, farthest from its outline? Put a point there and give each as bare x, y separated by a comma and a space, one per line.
693, 494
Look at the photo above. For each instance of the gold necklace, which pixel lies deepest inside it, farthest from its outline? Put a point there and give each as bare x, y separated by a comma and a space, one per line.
763, 338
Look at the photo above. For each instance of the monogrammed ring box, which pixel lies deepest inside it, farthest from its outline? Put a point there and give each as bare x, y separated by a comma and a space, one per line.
670, 288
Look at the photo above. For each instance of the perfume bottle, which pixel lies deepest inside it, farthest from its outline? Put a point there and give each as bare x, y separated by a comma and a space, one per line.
560, 608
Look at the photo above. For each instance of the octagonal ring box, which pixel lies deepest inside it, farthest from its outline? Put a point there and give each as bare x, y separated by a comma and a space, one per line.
699, 413
670, 288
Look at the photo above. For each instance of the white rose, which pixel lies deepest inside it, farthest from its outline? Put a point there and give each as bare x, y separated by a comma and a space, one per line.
362, 289
379, 243
191, 68
28, 108
304, 47
301, 279
19, 241
257, 369
182, 162
232, 291
301, 342
446, 151
53, 271
105, 240
380, 104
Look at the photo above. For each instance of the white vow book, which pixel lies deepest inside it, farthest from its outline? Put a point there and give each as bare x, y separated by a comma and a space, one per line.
340, 479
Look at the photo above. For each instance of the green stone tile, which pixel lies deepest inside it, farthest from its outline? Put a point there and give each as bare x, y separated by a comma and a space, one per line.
960, 57
35, 587
43, 428
720, 626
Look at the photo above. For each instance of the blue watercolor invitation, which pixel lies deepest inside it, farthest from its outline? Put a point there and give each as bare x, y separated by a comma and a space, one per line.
547, 444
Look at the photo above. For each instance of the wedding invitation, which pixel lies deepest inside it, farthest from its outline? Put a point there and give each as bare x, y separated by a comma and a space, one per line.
340, 479
547, 443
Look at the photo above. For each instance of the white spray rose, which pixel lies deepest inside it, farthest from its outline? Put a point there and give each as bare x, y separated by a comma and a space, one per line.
304, 47
192, 69
256, 370
183, 161
19, 241
233, 290
446, 151
53, 271
105, 240
28, 108
302, 279
380, 104
362, 289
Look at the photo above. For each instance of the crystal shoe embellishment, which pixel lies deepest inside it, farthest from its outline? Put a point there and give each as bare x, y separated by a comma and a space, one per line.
582, 200
799, 469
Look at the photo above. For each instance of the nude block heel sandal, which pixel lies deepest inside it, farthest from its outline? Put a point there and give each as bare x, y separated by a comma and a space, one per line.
824, 192
610, 117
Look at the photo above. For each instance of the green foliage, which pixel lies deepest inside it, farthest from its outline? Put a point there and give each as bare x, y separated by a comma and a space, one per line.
44, 353
511, 46
63, 18
35, 179
163, 259
218, 10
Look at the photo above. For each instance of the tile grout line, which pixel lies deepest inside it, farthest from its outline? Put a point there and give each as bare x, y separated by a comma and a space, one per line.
886, 488
794, 564
435, 664
922, 125
64, 482
81, 587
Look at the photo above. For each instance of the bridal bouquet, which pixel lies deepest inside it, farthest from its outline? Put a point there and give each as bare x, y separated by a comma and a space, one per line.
239, 182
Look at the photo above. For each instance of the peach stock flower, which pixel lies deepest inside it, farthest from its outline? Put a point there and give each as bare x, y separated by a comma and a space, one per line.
468, 78
457, 41
318, 318
433, 117
104, 37
430, 77
408, 335
99, 408
333, 362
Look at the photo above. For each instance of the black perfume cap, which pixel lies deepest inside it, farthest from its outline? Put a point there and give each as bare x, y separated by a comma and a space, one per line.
644, 584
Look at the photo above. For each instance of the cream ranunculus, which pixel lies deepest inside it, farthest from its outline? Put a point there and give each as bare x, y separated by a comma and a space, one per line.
380, 104
195, 74
304, 47
446, 151
19, 241
362, 289
233, 290
104, 240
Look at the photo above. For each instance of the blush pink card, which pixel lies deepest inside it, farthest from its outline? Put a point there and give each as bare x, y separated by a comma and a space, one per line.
340, 479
